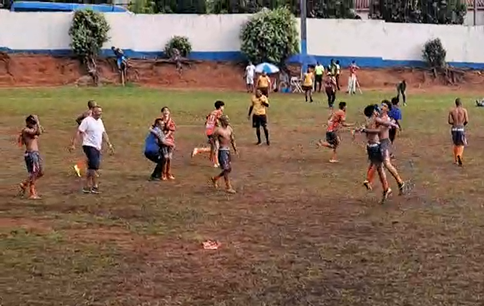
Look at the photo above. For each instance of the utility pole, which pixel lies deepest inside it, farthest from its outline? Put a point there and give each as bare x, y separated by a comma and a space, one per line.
475, 12
304, 45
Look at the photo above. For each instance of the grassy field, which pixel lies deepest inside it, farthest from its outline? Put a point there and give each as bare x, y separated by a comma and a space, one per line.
300, 231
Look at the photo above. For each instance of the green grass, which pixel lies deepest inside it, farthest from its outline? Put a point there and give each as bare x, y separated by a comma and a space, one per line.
300, 231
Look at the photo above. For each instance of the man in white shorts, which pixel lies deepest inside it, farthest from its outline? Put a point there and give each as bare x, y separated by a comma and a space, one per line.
92, 132
249, 77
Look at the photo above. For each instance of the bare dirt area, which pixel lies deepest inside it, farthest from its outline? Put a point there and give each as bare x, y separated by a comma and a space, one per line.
32, 70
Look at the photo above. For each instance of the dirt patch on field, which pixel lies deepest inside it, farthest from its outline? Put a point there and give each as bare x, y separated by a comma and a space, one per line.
31, 225
29, 70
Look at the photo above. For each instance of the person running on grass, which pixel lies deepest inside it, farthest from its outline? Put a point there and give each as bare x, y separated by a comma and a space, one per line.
373, 149
29, 136
307, 85
384, 123
81, 164
225, 135
458, 118
259, 106
168, 129
153, 143
396, 115
330, 89
336, 119
211, 123
92, 132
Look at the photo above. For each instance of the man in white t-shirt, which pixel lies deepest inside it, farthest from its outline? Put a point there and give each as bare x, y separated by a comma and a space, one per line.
92, 132
249, 77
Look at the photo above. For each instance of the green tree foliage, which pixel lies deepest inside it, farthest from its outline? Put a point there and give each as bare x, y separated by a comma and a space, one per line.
315, 8
434, 53
181, 43
270, 36
88, 32
419, 11
142, 6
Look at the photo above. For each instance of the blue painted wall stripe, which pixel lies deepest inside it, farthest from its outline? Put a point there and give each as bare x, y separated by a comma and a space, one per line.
364, 62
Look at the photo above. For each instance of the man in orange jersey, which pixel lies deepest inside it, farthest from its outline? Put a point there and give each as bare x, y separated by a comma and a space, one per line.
336, 119
90, 105
210, 124
458, 118
264, 84
259, 115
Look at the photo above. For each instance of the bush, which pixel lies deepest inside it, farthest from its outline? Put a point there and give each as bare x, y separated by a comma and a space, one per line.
178, 42
88, 32
434, 53
142, 6
270, 36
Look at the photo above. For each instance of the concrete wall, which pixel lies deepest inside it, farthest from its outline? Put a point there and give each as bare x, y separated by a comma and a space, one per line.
216, 37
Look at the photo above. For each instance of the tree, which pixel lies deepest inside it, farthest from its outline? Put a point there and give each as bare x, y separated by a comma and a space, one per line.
88, 32
142, 6
419, 11
270, 36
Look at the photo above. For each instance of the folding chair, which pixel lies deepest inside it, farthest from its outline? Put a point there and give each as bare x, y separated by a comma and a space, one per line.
296, 85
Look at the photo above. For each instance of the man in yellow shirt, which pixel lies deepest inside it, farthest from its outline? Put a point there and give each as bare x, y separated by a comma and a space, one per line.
264, 84
318, 79
259, 115
307, 85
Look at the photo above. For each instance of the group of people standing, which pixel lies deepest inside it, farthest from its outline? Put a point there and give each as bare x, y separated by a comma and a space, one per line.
314, 80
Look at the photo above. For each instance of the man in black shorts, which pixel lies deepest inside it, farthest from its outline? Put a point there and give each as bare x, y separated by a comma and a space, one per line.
92, 132
259, 106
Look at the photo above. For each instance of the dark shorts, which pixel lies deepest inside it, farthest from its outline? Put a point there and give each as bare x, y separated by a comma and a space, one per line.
307, 88
93, 157
392, 133
259, 120
33, 161
155, 157
167, 152
264, 91
224, 159
386, 147
458, 137
332, 138
374, 153
318, 78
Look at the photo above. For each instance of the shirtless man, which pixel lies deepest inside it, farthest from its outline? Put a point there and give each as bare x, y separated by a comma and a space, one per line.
225, 135
373, 149
211, 123
29, 137
458, 118
90, 105
384, 123
335, 120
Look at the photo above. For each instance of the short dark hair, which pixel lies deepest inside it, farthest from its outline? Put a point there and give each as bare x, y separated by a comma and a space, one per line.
342, 105
387, 103
30, 119
218, 104
91, 103
368, 111
156, 121
337, 62
458, 102
395, 100
163, 108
